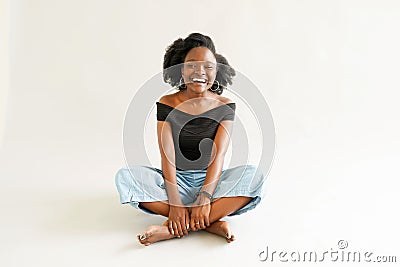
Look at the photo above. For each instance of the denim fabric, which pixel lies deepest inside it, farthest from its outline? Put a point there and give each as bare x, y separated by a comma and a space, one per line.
146, 184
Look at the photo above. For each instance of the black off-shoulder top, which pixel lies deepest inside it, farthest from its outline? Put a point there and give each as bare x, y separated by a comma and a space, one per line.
193, 135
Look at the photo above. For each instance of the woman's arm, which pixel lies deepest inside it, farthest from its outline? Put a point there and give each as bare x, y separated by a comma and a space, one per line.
221, 144
200, 212
167, 151
178, 217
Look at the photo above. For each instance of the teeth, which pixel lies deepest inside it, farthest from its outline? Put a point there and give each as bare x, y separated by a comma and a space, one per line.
200, 80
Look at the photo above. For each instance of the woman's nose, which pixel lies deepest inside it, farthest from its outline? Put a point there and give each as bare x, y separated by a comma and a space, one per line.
200, 69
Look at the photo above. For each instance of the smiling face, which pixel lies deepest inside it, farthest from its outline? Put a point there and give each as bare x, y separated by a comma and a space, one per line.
199, 69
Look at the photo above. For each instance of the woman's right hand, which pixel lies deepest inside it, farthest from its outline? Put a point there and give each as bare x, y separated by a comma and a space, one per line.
178, 220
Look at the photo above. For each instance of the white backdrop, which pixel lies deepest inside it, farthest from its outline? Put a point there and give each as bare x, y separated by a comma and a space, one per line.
328, 69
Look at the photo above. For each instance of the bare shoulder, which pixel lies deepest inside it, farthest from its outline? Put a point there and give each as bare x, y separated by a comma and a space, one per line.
225, 100
168, 99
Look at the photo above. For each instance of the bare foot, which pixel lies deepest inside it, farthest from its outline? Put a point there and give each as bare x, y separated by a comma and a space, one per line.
154, 234
221, 228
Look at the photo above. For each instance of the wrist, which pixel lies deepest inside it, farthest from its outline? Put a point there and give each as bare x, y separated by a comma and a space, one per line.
175, 204
175, 201
203, 198
205, 194
201, 201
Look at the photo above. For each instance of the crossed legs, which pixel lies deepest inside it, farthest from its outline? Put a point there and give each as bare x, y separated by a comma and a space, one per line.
219, 209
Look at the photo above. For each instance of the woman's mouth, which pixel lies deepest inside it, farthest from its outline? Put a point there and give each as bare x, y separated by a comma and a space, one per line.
199, 80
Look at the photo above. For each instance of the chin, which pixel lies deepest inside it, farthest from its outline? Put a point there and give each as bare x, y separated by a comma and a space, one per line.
198, 89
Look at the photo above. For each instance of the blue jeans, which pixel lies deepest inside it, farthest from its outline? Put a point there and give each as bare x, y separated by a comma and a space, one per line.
139, 183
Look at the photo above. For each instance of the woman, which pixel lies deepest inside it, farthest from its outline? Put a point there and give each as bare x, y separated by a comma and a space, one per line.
193, 125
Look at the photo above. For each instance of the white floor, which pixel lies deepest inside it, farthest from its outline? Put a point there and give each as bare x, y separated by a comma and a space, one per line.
60, 207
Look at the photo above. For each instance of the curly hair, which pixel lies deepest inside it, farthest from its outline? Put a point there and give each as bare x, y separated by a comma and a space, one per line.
175, 54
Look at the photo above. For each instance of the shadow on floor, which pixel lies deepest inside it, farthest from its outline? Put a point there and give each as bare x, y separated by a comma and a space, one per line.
96, 215
105, 215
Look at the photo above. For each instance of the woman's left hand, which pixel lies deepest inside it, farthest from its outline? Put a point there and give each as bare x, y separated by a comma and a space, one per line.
199, 216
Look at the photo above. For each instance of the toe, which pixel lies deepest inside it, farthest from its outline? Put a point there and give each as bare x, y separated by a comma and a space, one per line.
229, 240
228, 234
138, 238
142, 236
